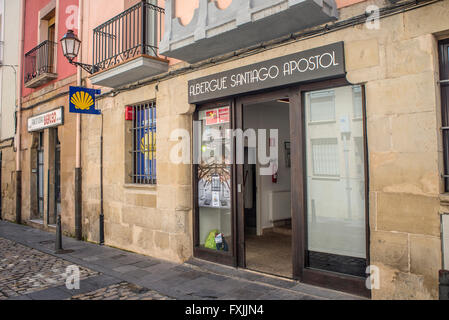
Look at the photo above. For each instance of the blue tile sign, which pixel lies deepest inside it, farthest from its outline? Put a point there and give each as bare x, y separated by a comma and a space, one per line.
82, 100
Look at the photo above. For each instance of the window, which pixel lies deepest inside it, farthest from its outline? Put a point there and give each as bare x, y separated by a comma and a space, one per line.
357, 103
323, 103
444, 83
325, 157
144, 143
214, 174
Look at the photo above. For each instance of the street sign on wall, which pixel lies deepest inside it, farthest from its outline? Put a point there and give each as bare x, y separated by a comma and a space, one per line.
46, 120
82, 100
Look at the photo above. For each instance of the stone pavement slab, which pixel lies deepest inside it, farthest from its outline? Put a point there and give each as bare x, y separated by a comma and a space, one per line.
117, 274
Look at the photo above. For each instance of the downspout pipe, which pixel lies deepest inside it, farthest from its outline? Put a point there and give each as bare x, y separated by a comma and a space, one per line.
78, 172
19, 116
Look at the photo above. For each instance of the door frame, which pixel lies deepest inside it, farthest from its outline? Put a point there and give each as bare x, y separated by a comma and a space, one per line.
226, 258
240, 207
40, 150
332, 280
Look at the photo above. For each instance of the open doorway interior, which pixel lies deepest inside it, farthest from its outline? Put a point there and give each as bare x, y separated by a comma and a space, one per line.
268, 234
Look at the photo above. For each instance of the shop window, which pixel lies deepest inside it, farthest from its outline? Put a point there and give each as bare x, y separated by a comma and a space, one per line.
142, 131
323, 106
444, 84
214, 179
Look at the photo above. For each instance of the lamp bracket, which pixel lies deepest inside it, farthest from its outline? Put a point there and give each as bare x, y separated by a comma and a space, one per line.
88, 67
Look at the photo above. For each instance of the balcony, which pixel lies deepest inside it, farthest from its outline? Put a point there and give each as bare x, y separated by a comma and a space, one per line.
40, 64
213, 31
125, 47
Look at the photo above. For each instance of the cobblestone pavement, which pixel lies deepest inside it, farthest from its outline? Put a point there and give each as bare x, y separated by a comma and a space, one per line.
25, 270
121, 291
29, 270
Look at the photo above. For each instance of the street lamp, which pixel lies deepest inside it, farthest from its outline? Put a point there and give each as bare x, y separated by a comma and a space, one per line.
71, 48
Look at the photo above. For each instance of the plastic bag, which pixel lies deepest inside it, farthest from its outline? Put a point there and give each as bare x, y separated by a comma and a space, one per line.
210, 241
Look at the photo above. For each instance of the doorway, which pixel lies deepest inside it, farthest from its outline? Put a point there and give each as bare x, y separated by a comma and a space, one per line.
266, 188
57, 175
306, 215
40, 176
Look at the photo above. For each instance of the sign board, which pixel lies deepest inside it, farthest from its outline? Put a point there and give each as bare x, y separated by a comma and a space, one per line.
218, 116
319, 63
46, 120
82, 100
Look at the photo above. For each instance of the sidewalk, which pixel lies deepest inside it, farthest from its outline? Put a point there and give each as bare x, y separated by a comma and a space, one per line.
109, 273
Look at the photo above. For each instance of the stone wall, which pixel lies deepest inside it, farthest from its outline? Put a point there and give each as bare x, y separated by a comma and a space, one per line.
42, 101
398, 65
8, 181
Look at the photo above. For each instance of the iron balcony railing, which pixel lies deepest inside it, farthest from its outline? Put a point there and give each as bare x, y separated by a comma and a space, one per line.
136, 31
40, 60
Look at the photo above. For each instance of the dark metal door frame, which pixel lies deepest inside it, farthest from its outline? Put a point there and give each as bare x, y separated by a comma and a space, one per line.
240, 212
227, 258
57, 192
333, 280
40, 175
328, 279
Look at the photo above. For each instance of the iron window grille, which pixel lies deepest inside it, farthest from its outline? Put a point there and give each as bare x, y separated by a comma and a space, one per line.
325, 157
444, 85
144, 143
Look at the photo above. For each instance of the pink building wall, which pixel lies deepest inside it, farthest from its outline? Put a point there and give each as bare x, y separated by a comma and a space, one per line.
64, 17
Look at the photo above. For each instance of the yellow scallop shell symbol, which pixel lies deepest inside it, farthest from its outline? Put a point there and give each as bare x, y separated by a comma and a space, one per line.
82, 100
148, 145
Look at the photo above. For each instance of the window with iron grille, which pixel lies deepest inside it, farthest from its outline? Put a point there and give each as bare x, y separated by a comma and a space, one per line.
325, 157
144, 143
444, 84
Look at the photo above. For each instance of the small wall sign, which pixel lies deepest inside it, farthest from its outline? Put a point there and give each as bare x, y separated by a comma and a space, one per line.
82, 100
46, 120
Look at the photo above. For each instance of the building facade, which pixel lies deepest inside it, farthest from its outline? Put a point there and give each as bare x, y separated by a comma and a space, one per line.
9, 63
314, 150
